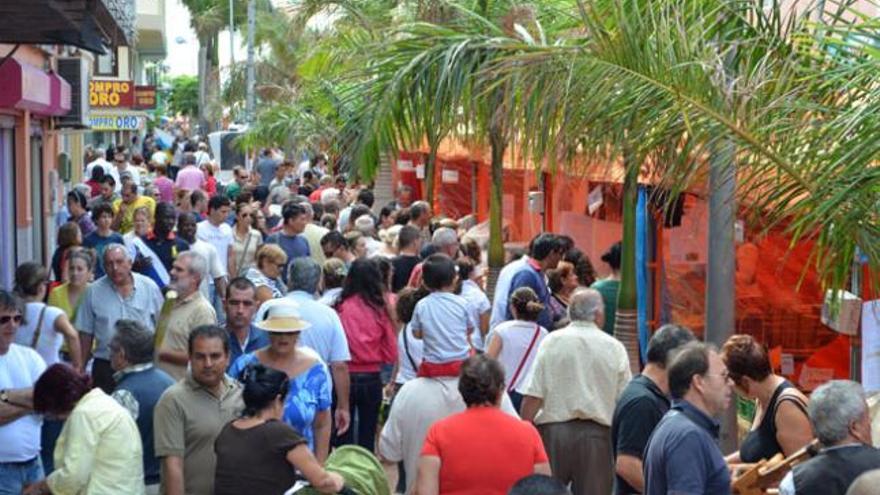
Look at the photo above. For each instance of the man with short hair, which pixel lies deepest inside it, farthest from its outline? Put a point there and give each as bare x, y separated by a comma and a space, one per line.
124, 208
325, 334
188, 311
187, 226
198, 202
241, 305
139, 385
122, 294
290, 238
215, 231
445, 240
404, 198
545, 252
103, 236
641, 406
157, 250
266, 167
107, 194
122, 168
420, 218
20, 367
409, 241
842, 423
313, 234
573, 410
240, 177
682, 455
191, 413
190, 177
334, 245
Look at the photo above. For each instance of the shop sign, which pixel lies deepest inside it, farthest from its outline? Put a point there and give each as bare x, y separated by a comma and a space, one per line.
116, 122
145, 97
107, 93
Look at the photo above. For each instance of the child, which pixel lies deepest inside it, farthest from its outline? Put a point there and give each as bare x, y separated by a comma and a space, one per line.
442, 319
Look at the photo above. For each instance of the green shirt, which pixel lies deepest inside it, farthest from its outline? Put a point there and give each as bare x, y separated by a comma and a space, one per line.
609, 289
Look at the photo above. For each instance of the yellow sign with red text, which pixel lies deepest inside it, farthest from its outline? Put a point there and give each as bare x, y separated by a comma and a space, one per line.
111, 94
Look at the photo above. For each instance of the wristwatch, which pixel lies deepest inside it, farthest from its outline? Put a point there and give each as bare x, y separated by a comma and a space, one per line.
4, 396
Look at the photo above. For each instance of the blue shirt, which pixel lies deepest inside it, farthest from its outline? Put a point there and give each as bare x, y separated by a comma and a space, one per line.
257, 339
325, 335
294, 246
502, 291
102, 307
683, 457
528, 276
309, 394
444, 320
98, 243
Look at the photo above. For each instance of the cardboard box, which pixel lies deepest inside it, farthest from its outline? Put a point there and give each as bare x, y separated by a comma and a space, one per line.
848, 312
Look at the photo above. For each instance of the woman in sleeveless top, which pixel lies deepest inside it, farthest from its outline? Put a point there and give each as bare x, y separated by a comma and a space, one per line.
781, 423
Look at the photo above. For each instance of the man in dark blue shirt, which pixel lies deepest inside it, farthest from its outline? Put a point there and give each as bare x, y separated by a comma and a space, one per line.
290, 239
545, 253
241, 305
640, 407
682, 456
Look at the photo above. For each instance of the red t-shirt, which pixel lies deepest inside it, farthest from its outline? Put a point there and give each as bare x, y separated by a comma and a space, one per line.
469, 439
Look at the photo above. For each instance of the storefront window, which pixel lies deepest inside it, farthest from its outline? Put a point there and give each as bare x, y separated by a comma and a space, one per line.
105, 65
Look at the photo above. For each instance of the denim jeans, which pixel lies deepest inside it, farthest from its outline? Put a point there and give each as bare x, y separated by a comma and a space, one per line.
48, 438
14, 476
365, 398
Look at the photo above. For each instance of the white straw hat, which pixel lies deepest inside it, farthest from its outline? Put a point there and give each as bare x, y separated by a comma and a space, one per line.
282, 317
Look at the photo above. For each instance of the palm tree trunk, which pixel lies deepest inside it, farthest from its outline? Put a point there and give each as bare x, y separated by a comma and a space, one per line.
496, 236
430, 165
203, 81
626, 319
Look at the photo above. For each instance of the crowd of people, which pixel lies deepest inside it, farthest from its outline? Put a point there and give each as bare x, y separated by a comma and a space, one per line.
195, 337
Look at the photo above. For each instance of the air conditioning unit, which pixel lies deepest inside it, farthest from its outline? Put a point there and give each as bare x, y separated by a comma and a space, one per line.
76, 72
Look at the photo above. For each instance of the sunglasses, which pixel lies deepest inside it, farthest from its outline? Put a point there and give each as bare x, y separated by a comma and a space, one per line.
5, 319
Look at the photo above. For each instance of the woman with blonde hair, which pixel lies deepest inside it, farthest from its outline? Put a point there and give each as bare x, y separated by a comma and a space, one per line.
266, 275
514, 343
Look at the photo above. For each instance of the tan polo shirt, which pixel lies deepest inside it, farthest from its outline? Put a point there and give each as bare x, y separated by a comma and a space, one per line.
579, 372
186, 421
187, 313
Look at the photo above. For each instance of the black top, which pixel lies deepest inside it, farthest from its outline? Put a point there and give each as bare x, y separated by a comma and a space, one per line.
834, 469
640, 407
254, 460
761, 442
403, 267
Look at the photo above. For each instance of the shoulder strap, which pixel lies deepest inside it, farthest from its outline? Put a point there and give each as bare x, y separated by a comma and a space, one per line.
39, 329
525, 357
241, 258
406, 349
797, 401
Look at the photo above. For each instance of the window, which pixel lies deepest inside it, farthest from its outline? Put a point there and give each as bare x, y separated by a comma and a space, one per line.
105, 65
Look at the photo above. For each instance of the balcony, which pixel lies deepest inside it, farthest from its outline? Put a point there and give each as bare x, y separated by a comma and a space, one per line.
151, 41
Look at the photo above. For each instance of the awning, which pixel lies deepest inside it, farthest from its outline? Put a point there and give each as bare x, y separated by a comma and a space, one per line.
88, 24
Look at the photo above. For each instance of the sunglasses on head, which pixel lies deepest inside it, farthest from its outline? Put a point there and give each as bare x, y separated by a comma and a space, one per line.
5, 319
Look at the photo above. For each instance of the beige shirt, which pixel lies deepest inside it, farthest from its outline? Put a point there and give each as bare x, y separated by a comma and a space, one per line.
579, 372
314, 234
245, 260
187, 420
187, 313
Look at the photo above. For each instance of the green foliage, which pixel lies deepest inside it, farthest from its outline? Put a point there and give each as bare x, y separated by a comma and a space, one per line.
184, 97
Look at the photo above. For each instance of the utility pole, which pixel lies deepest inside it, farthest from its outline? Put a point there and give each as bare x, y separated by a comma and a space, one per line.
252, 24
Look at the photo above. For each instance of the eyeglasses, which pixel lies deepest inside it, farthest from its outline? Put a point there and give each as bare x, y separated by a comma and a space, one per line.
5, 319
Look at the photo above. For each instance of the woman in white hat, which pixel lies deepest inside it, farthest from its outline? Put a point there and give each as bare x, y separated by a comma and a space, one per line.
307, 405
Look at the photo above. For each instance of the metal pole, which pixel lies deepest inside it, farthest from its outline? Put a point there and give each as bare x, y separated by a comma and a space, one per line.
252, 24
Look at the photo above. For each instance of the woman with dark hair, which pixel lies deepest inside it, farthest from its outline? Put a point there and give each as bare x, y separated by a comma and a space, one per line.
610, 286
781, 424
69, 236
99, 450
246, 240
77, 204
364, 312
94, 181
259, 453
515, 342
456, 444
583, 267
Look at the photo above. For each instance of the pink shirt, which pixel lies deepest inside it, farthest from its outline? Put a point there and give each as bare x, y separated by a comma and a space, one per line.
370, 333
166, 189
190, 178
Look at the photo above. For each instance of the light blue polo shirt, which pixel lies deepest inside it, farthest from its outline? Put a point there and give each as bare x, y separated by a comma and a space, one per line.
445, 320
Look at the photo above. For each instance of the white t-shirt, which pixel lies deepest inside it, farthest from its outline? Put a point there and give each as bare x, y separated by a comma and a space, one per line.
409, 352
160, 157
50, 341
215, 269
20, 367
219, 237
478, 303
516, 335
